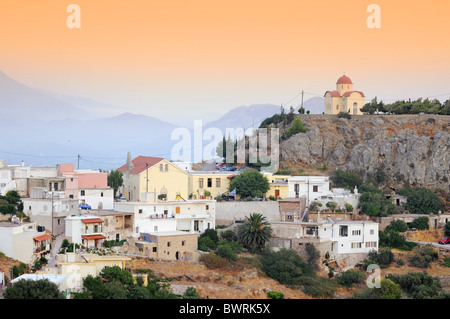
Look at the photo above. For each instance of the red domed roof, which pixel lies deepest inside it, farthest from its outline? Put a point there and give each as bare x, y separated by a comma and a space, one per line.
344, 80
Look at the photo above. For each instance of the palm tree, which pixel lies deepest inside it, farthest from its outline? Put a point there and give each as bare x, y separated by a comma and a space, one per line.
255, 231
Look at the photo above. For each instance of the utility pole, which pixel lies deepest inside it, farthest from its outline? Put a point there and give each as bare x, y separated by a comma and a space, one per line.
146, 182
78, 167
302, 99
52, 210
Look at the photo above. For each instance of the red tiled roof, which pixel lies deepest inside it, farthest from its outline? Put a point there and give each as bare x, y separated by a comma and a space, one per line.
140, 164
333, 93
42, 237
347, 94
344, 80
90, 237
92, 220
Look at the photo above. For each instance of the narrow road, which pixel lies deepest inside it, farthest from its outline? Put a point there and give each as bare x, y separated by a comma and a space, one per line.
446, 247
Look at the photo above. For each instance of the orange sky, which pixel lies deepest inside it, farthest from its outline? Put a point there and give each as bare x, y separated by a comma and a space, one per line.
210, 56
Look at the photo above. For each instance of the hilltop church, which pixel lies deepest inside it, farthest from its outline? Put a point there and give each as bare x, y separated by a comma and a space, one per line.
344, 99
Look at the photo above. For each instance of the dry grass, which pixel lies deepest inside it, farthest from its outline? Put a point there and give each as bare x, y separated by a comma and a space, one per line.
239, 281
430, 235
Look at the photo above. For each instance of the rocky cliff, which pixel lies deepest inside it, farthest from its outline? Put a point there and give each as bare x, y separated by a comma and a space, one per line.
415, 146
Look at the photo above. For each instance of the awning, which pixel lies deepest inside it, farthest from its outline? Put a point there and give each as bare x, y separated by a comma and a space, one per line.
92, 237
42, 237
92, 220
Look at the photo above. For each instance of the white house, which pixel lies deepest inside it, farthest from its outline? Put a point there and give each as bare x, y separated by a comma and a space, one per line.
6, 182
97, 198
153, 215
50, 212
86, 230
313, 187
22, 241
351, 240
354, 236
59, 280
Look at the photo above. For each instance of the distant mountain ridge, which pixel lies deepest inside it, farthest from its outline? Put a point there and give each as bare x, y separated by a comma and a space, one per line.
40, 125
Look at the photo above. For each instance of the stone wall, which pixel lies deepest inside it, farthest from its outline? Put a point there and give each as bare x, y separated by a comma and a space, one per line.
229, 212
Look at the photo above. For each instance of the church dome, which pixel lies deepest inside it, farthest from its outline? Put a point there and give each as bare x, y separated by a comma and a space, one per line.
344, 80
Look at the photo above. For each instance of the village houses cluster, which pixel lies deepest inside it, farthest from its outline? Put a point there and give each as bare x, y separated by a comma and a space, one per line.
159, 212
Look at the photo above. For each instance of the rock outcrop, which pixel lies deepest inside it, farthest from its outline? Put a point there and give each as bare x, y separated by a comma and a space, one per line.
415, 146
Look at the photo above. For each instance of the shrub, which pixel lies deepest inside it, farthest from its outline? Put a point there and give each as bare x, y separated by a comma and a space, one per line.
398, 225
419, 285
349, 207
350, 277
285, 266
344, 115
295, 128
331, 205
211, 233
423, 256
227, 252
213, 261
206, 243
313, 255
271, 197
228, 235
318, 287
420, 223
275, 295
447, 229
384, 257
191, 293
392, 238
388, 290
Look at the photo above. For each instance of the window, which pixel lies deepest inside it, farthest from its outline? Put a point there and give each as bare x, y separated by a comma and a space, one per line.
200, 182
168, 244
59, 221
372, 231
71, 179
217, 182
95, 228
207, 207
155, 228
55, 185
315, 188
160, 167
140, 211
154, 249
209, 182
83, 193
371, 244
183, 242
356, 232
167, 167
343, 231
356, 245
101, 194
70, 196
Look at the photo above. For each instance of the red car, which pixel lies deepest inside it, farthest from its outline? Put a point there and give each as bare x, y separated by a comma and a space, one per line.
444, 241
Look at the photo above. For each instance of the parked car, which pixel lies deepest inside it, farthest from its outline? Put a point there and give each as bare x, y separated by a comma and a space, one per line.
84, 206
444, 241
227, 197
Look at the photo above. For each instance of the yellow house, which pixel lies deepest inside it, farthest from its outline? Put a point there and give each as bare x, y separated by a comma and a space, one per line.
153, 174
214, 182
278, 185
344, 98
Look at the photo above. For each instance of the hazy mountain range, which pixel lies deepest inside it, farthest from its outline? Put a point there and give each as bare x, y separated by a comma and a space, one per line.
44, 128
